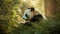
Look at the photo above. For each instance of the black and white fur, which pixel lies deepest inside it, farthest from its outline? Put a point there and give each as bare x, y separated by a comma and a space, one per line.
35, 17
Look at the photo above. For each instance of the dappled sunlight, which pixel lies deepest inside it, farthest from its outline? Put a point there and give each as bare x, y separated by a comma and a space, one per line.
12, 21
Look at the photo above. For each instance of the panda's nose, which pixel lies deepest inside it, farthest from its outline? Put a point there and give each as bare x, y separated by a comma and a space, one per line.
23, 18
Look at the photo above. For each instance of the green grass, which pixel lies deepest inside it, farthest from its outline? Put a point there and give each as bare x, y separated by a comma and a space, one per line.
44, 27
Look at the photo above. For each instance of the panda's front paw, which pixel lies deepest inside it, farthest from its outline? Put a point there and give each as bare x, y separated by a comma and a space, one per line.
28, 24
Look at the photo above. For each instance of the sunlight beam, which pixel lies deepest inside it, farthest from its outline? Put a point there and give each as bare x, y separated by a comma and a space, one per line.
24, 0
33, 2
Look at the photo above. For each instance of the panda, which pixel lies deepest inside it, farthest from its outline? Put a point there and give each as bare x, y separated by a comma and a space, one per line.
31, 15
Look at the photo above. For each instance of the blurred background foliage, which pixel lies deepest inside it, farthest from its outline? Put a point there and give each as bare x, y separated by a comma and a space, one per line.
11, 12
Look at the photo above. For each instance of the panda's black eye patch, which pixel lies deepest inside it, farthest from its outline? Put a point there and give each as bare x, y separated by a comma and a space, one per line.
26, 15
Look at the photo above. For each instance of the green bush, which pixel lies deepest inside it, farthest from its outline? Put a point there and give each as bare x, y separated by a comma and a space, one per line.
7, 14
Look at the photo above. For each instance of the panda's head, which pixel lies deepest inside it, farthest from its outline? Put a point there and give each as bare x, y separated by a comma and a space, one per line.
26, 13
